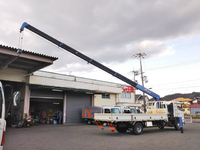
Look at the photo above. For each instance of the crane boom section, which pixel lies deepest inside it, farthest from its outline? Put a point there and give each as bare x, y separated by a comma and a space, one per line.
88, 59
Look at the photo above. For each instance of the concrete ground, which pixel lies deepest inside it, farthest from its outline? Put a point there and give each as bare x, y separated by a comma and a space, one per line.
196, 120
89, 137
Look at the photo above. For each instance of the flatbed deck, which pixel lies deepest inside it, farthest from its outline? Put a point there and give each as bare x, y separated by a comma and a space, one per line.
111, 117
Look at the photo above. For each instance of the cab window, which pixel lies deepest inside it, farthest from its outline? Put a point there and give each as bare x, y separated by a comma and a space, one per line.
127, 111
179, 106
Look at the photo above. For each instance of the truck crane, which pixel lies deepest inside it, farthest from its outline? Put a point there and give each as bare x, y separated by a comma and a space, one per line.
89, 60
159, 113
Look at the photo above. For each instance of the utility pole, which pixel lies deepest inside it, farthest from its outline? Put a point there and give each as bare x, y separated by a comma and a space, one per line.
135, 73
140, 56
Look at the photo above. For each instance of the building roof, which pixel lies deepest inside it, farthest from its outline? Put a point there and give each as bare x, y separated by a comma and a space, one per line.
195, 106
181, 99
14, 58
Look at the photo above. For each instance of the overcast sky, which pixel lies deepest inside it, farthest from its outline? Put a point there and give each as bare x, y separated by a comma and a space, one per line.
111, 32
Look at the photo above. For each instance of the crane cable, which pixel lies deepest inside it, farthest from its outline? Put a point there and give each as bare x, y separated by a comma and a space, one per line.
19, 51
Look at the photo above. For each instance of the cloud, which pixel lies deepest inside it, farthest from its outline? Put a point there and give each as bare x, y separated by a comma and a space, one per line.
108, 31
155, 48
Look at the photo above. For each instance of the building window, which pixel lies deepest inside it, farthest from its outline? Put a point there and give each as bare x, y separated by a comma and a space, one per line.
126, 95
106, 96
197, 113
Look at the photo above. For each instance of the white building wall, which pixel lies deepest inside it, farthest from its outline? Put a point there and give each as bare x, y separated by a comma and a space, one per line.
131, 100
99, 101
13, 75
73, 82
59, 80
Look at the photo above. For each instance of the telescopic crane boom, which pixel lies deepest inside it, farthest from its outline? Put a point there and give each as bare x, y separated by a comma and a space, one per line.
89, 60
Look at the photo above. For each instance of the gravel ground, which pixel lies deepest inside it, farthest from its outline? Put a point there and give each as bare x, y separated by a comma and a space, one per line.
89, 137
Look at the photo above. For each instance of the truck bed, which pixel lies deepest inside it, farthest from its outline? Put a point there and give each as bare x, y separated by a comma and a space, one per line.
112, 117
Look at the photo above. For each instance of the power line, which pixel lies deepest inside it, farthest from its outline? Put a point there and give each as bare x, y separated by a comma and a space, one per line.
176, 82
176, 64
173, 88
187, 45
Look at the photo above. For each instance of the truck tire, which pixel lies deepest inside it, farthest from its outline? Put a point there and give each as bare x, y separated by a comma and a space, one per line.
177, 126
161, 126
20, 124
137, 128
121, 130
89, 122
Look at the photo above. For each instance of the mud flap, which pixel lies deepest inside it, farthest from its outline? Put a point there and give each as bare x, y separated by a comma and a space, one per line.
181, 124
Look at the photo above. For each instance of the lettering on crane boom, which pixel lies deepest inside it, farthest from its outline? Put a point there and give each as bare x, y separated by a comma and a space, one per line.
147, 91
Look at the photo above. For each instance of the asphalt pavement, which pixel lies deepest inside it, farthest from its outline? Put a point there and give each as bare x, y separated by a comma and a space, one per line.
89, 137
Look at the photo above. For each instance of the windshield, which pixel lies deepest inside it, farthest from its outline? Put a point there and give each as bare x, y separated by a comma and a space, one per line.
115, 110
133, 111
179, 106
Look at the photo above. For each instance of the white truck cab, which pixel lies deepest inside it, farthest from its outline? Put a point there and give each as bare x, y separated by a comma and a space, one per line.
16, 96
2, 117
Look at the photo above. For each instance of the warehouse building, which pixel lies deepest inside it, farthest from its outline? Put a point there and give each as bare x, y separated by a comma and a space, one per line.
46, 93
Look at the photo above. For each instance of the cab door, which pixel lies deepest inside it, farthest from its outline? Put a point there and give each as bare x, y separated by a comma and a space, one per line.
2, 117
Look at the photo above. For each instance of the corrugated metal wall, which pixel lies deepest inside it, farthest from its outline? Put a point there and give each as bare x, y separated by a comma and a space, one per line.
46, 93
193, 111
75, 101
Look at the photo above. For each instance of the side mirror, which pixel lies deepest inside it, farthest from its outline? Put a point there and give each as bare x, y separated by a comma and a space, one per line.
16, 98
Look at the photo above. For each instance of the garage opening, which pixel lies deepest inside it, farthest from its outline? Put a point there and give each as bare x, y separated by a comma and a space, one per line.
45, 111
45, 106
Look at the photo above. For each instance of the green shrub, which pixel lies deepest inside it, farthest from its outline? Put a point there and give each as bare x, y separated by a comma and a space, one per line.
195, 117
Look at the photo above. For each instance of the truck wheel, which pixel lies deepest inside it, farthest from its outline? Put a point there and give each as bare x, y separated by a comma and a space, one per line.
137, 129
121, 130
177, 126
89, 122
20, 124
161, 127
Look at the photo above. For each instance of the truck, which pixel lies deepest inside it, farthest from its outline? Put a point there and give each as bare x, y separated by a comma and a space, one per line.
89, 111
101, 118
4, 112
159, 114
2, 117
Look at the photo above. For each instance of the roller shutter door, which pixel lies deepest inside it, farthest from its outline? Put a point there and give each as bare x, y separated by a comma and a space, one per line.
75, 101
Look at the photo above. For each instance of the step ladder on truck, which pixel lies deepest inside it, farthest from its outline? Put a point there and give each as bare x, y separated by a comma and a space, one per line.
173, 119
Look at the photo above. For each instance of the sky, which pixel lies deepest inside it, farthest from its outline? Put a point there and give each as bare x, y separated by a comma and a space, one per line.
112, 32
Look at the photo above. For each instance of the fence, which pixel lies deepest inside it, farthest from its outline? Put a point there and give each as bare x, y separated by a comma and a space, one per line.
188, 119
